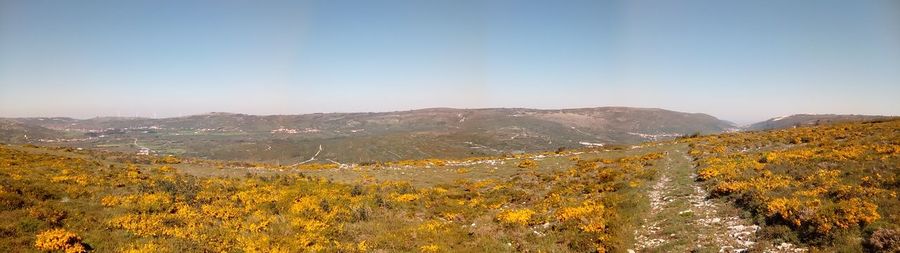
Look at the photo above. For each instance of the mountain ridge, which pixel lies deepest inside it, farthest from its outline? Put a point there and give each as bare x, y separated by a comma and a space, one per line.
795, 120
361, 136
225, 113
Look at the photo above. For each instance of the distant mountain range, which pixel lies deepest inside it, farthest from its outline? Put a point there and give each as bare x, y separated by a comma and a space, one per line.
809, 120
356, 137
613, 119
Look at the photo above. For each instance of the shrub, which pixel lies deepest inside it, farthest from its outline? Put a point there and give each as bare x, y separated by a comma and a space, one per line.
59, 239
168, 160
527, 164
515, 217
48, 213
11, 201
825, 185
884, 240
357, 190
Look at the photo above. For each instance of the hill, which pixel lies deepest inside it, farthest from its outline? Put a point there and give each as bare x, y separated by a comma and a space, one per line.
810, 120
832, 186
355, 137
16, 132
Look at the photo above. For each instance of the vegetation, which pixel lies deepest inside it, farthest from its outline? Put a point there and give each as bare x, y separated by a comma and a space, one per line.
833, 187
58, 200
828, 187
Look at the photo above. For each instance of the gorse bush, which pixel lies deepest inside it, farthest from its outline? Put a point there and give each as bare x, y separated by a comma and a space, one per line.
829, 187
516, 216
527, 164
64, 201
59, 240
828, 183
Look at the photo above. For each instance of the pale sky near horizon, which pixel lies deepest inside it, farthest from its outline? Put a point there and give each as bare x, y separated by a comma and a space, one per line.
741, 61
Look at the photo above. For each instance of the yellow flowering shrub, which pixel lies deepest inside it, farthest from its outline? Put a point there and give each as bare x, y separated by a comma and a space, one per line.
153, 202
406, 197
167, 168
59, 239
589, 216
824, 182
150, 206
431, 226
429, 248
527, 164
854, 211
515, 216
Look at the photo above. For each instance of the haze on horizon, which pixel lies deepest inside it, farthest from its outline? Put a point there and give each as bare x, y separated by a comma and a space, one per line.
741, 61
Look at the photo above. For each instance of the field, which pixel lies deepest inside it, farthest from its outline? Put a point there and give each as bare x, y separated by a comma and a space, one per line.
819, 188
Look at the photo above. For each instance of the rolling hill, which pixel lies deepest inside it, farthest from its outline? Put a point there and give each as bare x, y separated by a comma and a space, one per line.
16, 132
356, 137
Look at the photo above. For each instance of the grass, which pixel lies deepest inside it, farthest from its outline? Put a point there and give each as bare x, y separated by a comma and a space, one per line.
501, 170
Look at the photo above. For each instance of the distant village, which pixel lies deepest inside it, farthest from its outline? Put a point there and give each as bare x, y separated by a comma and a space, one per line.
283, 130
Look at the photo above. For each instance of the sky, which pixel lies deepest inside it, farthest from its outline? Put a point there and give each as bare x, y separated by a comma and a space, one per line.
742, 61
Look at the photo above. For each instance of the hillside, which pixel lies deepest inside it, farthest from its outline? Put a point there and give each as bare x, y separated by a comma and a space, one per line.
810, 120
828, 188
16, 132
832, 186
355, 137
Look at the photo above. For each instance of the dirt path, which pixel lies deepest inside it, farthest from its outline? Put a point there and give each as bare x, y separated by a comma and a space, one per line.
682, 219
313, 158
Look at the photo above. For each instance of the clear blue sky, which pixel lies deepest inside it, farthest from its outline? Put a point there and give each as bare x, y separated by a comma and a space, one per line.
737, 60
